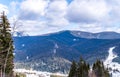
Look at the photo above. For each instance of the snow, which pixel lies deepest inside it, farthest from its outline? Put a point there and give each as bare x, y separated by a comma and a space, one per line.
79, 33
74, 39
14, 53
33, 73
27, 57
55, 48
14, 46
114, 66
98, 36
23, 45
54, 51
111, 56
56, 45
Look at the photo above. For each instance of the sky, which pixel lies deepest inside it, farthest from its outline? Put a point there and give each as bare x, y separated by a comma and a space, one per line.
36, 17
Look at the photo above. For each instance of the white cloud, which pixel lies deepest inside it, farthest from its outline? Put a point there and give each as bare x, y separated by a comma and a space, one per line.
45, 16
56, 8
31, 27
14, 7
92, 27
32, 9
95, 15
4, 8
56, 12
115, 11
87, 11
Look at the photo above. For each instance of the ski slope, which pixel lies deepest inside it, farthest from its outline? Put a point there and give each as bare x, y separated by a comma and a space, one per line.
114, 67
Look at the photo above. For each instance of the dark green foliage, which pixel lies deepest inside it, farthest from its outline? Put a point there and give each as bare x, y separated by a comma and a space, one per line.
83, 69
79, 70
99, 69
6, 46
73, 69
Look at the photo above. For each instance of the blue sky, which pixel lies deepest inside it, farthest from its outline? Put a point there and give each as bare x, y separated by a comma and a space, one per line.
36, 17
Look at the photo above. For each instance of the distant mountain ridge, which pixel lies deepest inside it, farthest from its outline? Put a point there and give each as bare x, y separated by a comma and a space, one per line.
54, 52
81, 34
101, 35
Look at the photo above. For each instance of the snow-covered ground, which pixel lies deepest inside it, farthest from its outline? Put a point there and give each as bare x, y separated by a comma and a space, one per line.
114, 67
32, 73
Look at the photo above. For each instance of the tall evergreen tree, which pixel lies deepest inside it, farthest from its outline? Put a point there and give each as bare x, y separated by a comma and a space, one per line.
73, 68
83, 68
6, 47
99, 69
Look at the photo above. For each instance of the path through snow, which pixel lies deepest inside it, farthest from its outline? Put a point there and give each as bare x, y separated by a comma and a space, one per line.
114, 66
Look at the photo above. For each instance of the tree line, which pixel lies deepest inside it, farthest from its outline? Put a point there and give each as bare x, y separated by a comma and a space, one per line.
83, 69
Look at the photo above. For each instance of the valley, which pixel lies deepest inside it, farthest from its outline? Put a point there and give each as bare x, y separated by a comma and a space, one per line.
55, 52
113, 67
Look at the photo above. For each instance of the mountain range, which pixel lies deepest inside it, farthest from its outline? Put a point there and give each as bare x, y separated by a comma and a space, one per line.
54, 52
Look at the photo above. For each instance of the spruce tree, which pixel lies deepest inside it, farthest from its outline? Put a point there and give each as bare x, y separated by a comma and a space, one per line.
6, 47
83, 68
73, 68
100, 70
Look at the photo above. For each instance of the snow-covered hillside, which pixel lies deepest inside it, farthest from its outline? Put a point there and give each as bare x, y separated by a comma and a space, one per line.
114, 67
33, 73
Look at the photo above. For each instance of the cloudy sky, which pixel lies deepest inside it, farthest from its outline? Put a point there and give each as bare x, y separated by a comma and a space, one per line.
36, 17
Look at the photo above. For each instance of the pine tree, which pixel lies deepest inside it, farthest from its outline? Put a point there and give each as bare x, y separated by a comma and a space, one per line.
100, 70
83, 68
73, 68
6, 47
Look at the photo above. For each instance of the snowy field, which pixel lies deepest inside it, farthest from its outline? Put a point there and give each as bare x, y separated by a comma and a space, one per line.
32, 73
